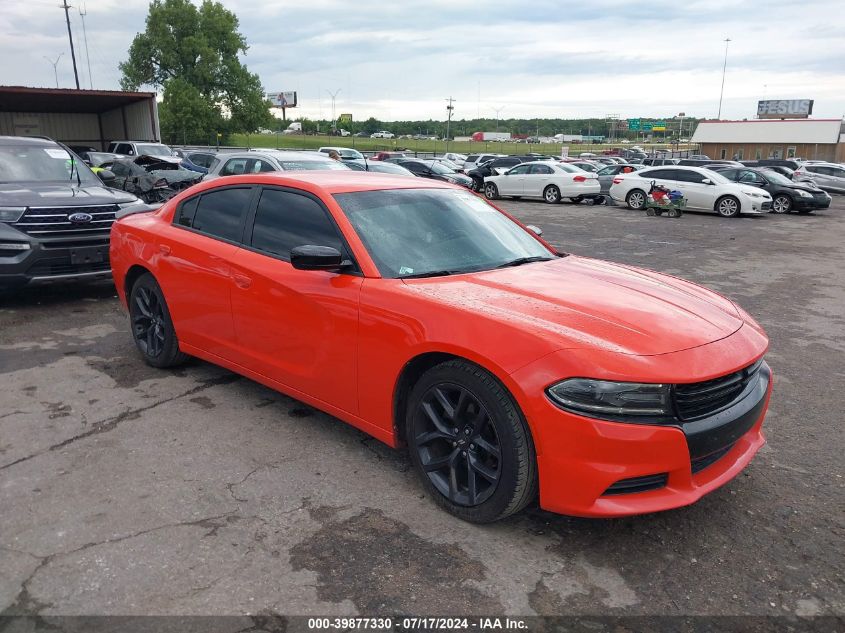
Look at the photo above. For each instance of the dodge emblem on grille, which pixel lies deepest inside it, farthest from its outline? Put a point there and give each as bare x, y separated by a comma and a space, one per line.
80, 218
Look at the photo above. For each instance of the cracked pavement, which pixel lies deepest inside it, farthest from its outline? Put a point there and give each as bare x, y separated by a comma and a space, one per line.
126, 490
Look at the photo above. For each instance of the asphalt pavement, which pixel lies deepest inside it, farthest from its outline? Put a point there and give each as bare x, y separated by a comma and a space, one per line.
130, 490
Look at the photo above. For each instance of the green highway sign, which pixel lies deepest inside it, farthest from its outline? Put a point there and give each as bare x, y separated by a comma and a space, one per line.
646, 126
634, 124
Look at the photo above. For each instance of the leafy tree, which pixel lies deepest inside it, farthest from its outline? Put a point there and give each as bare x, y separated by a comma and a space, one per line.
192, 53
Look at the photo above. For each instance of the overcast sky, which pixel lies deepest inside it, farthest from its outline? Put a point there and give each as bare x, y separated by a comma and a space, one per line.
400, 59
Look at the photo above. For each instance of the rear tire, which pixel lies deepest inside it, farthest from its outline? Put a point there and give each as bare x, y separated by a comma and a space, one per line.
470, 444
551, 194
635, 199
491, 191
152, 327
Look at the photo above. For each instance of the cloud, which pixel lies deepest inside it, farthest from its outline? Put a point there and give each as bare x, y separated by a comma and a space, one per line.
400, 60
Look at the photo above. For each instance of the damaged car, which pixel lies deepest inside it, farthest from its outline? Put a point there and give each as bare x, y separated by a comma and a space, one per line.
151, 179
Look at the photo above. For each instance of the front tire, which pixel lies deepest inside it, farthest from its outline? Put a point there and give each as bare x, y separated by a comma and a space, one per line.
152, 328
727, 207
635, 199
470, 444
782, 204
491, 191
551, 194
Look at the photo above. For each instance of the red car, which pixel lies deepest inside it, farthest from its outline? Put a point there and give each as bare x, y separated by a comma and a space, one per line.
386, 155
424, 316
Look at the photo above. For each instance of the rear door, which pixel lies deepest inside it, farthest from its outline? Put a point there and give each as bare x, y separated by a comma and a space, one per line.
298, 327
538, 177
195, 257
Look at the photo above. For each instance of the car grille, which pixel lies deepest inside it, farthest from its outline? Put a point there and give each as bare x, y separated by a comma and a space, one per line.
55, 222
700, 399
701, 463
62, 266
637, 484
766, 205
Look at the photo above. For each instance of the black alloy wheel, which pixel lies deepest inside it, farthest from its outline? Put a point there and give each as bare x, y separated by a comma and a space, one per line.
457, 444
469, 443
152, 329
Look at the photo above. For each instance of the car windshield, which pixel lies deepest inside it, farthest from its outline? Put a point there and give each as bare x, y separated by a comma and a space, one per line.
778, 179
154, 149
716, 177
305, 165
351, 153
439, 168
419, 232
30, 163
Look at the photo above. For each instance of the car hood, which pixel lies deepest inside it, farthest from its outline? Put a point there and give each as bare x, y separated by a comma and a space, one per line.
586, 303
59, 194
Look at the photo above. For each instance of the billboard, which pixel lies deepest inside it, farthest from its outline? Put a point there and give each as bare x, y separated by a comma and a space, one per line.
346, 117
784, 108
282, 99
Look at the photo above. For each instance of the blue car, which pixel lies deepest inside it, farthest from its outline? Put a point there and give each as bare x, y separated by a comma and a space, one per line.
196, 161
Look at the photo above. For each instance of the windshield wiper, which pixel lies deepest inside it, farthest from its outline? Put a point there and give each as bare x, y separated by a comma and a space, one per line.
431, 273
519, 261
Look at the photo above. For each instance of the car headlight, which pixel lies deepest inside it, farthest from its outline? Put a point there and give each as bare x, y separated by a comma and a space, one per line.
755, 194
804, 194
612, 400
11, 214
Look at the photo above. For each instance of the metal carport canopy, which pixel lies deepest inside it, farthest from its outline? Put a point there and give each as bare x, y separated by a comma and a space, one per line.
64, 100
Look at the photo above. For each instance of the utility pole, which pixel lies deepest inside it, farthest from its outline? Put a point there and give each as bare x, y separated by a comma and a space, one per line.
67, 7
55, 64
333, 95
449, 109
497, 110
724, 68
83, 11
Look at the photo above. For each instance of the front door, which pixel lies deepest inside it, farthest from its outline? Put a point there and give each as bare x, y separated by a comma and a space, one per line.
298, 327
698, 194
512, 182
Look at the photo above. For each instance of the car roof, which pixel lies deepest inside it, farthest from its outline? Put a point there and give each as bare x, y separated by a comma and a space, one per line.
276, 154
331, 182
26, 140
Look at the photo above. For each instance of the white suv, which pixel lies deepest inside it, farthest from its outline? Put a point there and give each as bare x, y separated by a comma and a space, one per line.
382, 134
704, 190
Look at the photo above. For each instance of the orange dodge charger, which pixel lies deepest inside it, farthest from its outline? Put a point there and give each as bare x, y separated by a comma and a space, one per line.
422, 315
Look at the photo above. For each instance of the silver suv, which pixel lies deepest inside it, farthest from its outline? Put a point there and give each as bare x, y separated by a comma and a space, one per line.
254, 162
828, 176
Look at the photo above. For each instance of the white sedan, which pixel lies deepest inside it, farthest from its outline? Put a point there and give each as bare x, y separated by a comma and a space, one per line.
704, 190
548, 180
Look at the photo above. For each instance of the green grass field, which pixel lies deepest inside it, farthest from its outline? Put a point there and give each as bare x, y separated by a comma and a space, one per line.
280, 141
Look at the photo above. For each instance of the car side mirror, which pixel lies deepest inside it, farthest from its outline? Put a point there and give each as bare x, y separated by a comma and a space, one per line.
310, 257
106, 176
534, 229
707, 181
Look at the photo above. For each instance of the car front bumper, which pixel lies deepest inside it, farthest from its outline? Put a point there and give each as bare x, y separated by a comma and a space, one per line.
596, 468
28, 261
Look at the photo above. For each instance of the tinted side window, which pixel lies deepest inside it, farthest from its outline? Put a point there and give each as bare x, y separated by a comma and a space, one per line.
119, 169
730, 174
665, 174
220, 213
506, 162
417, 168
187, 211
541, 169
203, 160
521, 169
472, 158
687, 176
285, 220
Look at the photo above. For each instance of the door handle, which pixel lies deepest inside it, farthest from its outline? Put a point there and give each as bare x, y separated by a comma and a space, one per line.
242, 281
164, 248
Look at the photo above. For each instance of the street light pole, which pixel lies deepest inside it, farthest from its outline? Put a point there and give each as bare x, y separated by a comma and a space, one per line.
333, 95
82, 13
497, 110
55, 64
449, 109
724, 68
66, 7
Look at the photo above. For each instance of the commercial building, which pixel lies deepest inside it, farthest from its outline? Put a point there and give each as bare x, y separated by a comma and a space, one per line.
79, 117
811, 139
